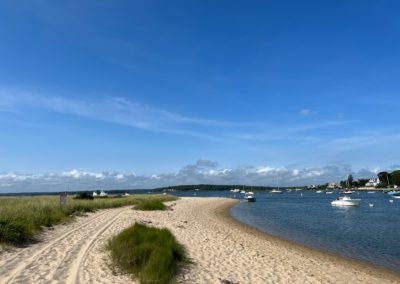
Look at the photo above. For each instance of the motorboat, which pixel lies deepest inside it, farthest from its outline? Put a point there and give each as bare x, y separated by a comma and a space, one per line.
249, 196
276, 191
346, 201
328, 192
318, 191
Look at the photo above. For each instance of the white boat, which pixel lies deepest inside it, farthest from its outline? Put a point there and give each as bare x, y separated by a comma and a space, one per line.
328, 192
276, 191
242, 191
235, 190
94, 193
346, 201
348, 191
318, 191
126, 194
102, 193
249, 196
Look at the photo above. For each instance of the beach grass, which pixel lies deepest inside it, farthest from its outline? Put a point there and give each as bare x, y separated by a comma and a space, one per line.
149, 205
22, 218
153, 255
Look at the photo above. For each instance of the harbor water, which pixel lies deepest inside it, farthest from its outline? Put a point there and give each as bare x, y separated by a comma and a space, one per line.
361, 232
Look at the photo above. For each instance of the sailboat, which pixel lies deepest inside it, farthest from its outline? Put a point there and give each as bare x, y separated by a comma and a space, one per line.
276, 190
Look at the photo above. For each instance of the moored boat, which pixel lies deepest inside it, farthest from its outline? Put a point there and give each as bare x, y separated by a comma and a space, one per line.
249, 196
346, 201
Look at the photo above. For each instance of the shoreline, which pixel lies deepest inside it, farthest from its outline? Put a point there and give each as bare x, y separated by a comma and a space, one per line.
220, 248
224, 214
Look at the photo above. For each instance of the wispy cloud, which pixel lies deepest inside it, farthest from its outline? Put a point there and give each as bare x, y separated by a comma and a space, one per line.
134, 114
116, 110
306, 111
364, 140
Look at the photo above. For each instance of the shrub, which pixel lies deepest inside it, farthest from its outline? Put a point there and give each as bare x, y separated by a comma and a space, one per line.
153, 255
84, 195
149, 205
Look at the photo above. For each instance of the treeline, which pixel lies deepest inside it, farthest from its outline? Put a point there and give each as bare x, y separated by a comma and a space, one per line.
211, 187
386, 179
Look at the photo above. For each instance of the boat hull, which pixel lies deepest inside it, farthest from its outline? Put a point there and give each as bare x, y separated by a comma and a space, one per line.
353, 202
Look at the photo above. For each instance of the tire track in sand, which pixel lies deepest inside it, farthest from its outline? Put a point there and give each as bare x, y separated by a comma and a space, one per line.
58, 260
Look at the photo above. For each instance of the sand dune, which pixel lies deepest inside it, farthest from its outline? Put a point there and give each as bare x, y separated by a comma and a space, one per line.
221, 249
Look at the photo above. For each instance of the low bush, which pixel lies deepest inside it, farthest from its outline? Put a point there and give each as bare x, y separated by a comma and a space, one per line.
149, 205
150, 254
84, 195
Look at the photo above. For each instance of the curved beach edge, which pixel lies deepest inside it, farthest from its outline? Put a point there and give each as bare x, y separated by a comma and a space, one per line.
323, 258
221, 250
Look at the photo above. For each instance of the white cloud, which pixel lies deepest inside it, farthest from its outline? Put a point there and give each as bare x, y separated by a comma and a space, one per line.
190, 174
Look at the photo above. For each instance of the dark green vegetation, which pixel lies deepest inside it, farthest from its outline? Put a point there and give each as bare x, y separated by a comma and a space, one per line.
84, 195
21, 218
152, 255
386, 179
149, 205
211, 187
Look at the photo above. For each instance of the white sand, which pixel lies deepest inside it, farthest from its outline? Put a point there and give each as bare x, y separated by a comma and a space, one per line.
221, 250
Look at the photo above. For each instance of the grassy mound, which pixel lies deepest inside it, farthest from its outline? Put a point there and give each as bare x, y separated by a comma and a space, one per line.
21, 218
149, 205
153, 255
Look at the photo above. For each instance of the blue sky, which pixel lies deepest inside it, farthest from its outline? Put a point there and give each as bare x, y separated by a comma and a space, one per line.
196, 91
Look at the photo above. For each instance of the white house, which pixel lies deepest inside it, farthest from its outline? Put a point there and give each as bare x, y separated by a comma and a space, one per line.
373, 182
333, 185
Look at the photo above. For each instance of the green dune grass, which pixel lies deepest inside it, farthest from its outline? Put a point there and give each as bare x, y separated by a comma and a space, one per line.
22, 218
150, 254
149, 205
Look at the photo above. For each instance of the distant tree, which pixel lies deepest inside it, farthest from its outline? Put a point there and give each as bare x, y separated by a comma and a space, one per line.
355, 183
362, 182
384, 178
84, 195
343, 183
395, 175
350, 180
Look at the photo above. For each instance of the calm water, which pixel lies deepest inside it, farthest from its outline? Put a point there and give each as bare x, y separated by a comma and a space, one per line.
361, 232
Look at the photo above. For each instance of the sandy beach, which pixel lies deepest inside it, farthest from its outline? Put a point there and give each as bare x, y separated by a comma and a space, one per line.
222, 251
